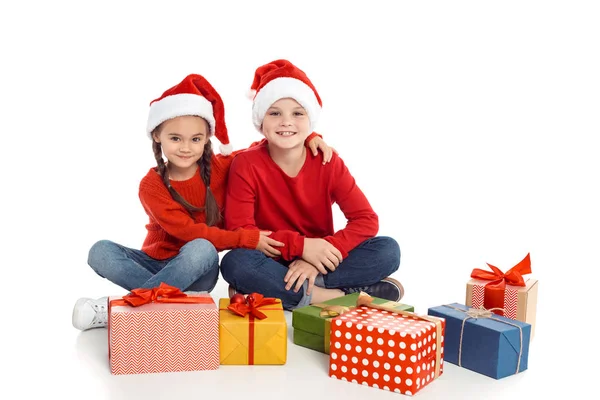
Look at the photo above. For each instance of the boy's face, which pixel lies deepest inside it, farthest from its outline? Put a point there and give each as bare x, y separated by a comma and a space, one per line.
286, 124
182, 140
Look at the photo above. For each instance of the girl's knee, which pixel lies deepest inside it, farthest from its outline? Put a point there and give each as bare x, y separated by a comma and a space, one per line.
99, 251
200, 251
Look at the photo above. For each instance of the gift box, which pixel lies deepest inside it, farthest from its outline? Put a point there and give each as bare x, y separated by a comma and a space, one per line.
386, 348
162, 330
311, 324
484, 342
253, 333
509, 294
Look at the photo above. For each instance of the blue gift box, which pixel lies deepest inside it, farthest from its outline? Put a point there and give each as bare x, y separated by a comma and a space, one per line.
491, 344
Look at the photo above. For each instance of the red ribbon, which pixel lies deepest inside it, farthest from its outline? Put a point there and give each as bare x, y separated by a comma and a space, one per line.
494, 290
253, 301
161, 294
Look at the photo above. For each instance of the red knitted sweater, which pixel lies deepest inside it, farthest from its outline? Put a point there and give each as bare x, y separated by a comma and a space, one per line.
170, 226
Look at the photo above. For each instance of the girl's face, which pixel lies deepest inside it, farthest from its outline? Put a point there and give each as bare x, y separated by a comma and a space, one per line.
286, 124
182, 140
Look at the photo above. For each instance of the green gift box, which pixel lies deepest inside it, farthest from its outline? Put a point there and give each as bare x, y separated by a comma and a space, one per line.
312, 330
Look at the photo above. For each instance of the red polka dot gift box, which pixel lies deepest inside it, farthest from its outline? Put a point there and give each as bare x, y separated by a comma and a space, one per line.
389, 349
162, 330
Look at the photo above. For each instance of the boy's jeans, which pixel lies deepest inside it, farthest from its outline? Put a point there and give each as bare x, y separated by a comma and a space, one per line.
251, 271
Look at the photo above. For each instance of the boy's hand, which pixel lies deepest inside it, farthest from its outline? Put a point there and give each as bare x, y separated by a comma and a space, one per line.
299, 271
321, 254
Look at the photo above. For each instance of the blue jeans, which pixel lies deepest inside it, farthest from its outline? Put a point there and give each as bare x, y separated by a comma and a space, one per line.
251, 271
195, 268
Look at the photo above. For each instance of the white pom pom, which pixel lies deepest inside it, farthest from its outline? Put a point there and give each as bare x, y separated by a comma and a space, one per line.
226, 149
251, 93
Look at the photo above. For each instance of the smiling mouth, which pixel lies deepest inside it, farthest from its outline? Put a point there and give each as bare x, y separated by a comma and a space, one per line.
286, 133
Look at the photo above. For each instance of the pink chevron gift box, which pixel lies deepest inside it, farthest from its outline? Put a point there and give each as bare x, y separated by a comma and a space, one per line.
162, 330
508, 294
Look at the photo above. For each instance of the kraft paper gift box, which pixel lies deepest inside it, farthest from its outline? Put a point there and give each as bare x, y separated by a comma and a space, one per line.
253, 334
484, 342
386, 348
515, 295
312, 324
162, 330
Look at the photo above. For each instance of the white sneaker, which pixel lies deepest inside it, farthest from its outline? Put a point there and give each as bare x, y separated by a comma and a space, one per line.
90, 313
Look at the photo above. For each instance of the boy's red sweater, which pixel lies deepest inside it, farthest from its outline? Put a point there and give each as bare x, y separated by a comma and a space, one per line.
260, 195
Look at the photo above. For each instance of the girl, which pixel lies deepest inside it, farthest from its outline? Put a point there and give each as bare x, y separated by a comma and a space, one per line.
279, 187
184, 201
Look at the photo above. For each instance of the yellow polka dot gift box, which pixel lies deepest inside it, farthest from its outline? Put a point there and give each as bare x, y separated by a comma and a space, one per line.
484, 342
162, 330
253, 330
312, 323
386, 348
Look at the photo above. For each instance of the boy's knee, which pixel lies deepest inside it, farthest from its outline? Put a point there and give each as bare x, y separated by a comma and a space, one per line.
243, 256
238, 262
394, 249
230, 263
390, 252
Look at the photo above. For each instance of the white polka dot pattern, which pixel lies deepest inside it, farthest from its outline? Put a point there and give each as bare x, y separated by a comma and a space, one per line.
389, 351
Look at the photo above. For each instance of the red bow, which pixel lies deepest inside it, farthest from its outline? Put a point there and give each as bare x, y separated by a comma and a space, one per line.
253, 301
513, 276
161, 294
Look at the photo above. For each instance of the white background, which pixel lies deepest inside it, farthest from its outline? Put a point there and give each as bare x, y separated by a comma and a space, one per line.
471, 126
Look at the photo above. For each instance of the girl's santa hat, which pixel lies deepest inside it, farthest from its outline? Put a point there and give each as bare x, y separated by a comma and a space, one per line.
192, 96
281, 79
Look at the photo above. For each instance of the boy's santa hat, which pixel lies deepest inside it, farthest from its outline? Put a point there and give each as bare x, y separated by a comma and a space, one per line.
281, 79
192, 96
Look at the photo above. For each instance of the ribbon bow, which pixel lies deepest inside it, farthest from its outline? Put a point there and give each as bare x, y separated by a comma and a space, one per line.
253, 301
161, 294
481, 312
330, 311
499, 279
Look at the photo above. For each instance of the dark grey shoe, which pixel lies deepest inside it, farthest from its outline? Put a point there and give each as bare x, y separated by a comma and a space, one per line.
233, 291
387, 288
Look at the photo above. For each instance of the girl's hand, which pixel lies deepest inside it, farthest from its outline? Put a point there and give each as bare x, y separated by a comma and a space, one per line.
265, 245
319, 144
299, 271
